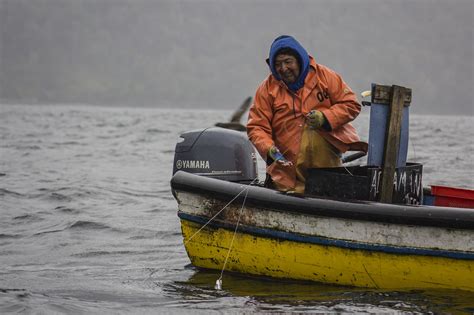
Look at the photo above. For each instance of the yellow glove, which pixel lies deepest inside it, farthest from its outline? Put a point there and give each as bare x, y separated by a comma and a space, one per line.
315, 119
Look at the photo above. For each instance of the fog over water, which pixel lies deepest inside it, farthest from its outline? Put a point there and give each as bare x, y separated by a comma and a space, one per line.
210, 54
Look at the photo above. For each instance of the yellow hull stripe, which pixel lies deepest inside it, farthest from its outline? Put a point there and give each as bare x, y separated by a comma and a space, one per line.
329, 264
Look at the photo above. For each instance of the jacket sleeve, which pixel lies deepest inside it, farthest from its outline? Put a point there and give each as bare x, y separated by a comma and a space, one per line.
344, 105
259, 128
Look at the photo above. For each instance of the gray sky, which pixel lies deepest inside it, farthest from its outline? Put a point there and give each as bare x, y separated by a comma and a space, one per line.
211, 54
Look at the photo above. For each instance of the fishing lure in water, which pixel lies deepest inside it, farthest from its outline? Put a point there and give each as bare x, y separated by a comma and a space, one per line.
218, 285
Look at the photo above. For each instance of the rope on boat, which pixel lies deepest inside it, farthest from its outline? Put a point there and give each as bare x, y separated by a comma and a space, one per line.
218, 285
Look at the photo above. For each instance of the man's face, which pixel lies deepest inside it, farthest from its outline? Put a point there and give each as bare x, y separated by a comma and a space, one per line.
287, 68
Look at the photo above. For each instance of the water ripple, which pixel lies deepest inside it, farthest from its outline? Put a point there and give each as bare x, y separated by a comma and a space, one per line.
154, 130
7, 236
88, 225
4, 191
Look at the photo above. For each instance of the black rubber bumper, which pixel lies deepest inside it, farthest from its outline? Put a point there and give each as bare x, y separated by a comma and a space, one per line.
456, 218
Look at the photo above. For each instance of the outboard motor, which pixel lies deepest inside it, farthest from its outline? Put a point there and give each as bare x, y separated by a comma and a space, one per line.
216, 152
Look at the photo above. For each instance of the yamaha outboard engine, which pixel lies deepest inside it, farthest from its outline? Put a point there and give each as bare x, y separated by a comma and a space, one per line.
216, 152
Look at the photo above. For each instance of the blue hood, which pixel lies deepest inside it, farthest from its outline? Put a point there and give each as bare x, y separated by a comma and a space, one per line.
286, 41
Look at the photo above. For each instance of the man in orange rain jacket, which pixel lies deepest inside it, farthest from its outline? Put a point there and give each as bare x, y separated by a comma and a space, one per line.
301, 116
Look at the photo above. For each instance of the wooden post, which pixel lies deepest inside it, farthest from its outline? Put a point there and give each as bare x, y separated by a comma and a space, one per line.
398, 95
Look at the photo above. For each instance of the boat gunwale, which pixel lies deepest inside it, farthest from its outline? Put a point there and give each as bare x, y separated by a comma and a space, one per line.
421, 215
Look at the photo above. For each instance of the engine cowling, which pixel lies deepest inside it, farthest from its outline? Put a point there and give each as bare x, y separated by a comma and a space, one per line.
216, 152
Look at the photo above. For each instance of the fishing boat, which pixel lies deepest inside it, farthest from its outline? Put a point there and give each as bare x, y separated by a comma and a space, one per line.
341, 231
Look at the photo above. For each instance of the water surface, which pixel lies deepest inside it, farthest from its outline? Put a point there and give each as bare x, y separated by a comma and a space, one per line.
88, 222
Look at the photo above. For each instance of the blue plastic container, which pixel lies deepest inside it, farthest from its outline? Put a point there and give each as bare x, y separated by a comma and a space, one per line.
377, 130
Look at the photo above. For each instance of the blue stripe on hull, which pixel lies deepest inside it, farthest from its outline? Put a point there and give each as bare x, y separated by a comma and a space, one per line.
330, 242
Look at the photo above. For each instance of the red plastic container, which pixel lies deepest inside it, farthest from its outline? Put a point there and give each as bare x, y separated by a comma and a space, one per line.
453, 197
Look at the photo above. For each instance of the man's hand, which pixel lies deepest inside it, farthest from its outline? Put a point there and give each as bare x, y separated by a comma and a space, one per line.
315, 119
276, 155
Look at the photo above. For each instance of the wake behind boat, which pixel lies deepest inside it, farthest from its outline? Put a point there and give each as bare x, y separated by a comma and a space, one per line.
339, 232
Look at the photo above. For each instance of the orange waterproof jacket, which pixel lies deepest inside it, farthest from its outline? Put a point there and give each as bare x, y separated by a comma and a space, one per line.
277, 116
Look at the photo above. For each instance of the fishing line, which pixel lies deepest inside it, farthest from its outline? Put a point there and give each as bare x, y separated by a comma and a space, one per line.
245, 189
218, 285
330, 150
285, 122
209, 221
342, 163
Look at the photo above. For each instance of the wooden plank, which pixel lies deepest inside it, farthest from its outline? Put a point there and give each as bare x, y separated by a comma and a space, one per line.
382, 94
392, 142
